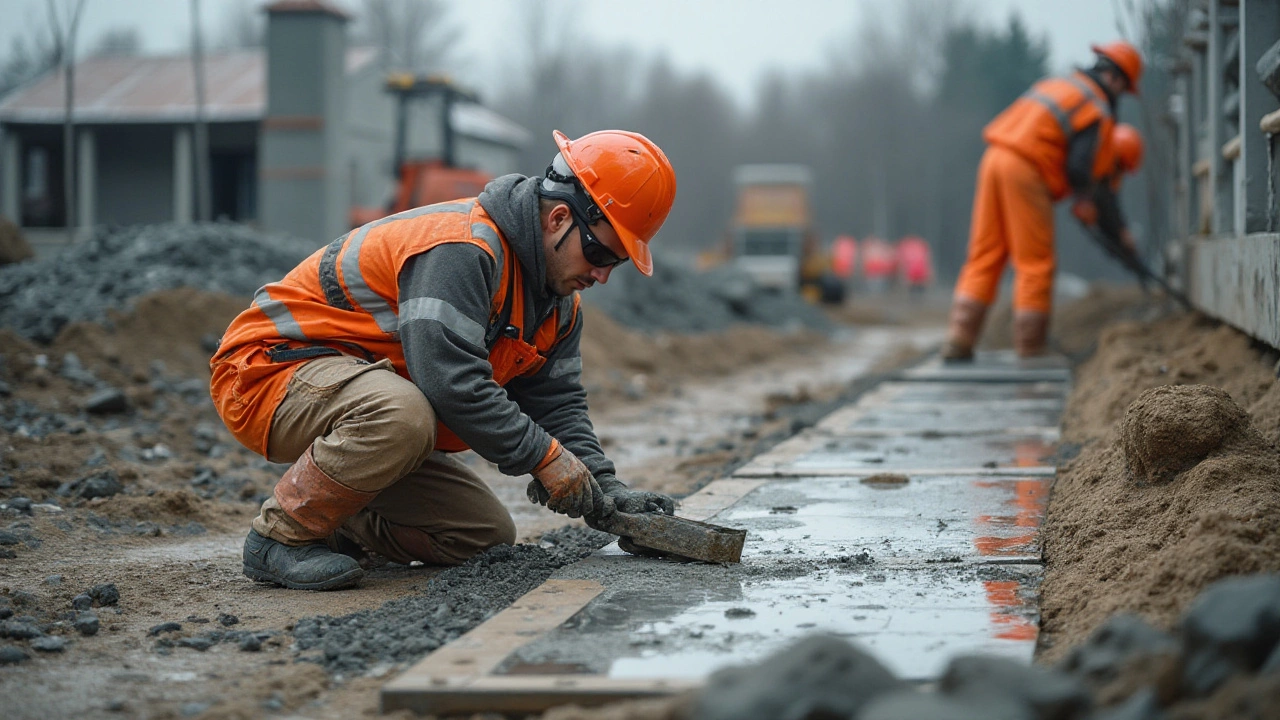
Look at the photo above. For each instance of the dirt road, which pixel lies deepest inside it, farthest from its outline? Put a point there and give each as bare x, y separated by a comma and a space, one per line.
171, 545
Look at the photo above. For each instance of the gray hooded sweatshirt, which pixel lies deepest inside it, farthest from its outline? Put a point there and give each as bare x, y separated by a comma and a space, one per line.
512, 426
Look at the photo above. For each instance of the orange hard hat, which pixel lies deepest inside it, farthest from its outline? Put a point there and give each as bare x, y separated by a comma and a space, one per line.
1126, 57
1129, 147
629, 179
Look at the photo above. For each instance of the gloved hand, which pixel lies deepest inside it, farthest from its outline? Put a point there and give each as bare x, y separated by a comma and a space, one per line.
564, 485
635, 501
1085, 211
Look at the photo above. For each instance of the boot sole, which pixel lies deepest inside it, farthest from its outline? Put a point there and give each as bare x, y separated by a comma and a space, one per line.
347, 579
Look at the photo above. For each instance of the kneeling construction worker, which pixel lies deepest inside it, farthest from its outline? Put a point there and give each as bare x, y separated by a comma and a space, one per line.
442, 328
1054, 141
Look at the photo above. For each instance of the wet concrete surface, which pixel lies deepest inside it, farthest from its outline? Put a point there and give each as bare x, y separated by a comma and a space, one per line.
916, 568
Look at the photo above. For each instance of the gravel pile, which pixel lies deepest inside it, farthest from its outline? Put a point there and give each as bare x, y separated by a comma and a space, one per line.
1223, 660
115, 265
678, 299
453, 602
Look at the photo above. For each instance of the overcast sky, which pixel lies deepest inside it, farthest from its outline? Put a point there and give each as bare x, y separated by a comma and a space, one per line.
735, 40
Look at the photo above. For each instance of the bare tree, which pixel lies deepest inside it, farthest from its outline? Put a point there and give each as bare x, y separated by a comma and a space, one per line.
411, 35
201, 127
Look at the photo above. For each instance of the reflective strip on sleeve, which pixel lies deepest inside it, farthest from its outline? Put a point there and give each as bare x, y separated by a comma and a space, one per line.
333, 293
444, 313
1091, 94
567, 367
490, 237
1064, 120
368, 300
286, 325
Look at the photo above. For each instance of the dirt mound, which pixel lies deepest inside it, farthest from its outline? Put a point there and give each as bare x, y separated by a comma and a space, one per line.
1184, 491
1171, 428
116, 265
619, 362
1177, 350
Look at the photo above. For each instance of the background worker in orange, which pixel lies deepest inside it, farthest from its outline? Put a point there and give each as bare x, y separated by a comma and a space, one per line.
1053, 141
440, 328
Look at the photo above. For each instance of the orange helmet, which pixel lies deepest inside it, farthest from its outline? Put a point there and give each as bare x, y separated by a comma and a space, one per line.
1128, 146
629, 181
1126, 57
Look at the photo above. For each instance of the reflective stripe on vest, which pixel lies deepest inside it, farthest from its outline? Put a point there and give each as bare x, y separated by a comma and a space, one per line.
279, 315
1063, 116
424, 308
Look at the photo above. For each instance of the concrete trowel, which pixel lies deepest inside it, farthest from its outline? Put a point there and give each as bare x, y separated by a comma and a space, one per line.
656, 534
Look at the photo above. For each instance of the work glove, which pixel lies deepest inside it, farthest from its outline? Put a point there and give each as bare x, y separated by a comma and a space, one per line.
563, 484
635, 501
1085, 211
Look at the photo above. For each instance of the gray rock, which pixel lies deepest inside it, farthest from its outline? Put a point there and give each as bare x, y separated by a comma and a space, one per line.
8, 538
24, 599
227, 619
1050, 695
82, 602
75, 371
21, 504
7, 481
105, 594
87, 623
7, 554
6, 612
915, 705
20, 629
1119, 639
12, 655
195, 643
106, 402
1231, 627
103, 483
819, 676
192, 709
49, 643
53, 580
164, 627
1142, 705
250, 643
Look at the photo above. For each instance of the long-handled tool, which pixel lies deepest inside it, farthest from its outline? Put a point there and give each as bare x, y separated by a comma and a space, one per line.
1134, 265
675, 536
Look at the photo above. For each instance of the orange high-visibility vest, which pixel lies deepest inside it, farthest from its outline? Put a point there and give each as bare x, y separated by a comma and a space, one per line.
1041, 124
344, 298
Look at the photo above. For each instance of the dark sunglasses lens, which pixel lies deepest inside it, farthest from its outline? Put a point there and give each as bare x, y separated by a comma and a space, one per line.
597, 254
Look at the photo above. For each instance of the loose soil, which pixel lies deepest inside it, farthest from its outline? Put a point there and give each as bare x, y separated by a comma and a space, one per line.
170, 539
1177, 480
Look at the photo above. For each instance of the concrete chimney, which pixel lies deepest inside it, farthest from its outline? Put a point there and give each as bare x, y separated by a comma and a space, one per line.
301, 181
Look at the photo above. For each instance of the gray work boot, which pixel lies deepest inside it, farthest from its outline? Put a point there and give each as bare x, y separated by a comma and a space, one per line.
304, 567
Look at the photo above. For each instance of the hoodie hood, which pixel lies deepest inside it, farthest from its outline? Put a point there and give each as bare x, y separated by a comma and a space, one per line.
512, 202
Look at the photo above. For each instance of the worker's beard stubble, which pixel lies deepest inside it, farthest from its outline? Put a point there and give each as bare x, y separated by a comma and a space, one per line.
561, 280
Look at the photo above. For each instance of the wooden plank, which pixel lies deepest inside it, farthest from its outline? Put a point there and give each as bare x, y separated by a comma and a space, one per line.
716, 496
480, 651
515, 694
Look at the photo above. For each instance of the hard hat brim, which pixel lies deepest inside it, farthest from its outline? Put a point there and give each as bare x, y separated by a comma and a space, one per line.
637, 251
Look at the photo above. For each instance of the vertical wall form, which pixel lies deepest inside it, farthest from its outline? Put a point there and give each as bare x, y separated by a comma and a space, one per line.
1230, 258
302, 181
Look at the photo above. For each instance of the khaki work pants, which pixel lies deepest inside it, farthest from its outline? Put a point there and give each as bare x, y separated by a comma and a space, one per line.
373, 431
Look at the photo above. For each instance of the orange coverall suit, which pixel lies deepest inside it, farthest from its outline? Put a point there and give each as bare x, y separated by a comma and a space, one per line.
1022, 173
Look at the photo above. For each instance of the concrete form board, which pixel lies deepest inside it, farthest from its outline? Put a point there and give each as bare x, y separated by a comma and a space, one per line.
920, 570
1237, 280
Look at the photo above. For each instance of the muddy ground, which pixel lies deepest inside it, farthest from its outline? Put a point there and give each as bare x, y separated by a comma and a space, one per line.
115, 471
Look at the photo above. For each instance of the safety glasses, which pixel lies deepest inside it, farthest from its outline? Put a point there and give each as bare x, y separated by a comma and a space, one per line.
595, 252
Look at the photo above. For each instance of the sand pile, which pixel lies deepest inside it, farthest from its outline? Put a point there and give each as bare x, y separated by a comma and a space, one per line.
1175, 350
1182, 492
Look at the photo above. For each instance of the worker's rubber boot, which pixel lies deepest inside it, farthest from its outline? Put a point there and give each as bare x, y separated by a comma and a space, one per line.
1030, 333
963, 328
301, 567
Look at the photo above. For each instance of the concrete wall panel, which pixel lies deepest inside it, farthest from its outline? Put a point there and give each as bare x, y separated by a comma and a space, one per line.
1237, 280
135, 175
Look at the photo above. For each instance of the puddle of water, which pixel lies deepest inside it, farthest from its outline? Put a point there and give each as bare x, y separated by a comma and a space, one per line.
950, 418
1009, 451
950, 392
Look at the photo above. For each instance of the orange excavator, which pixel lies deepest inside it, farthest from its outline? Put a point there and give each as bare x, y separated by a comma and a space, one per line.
423, 181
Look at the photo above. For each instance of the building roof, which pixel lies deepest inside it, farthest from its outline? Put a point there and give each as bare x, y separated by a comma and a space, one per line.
159, 89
